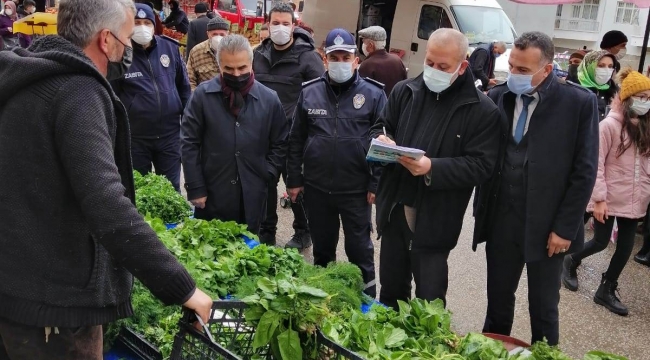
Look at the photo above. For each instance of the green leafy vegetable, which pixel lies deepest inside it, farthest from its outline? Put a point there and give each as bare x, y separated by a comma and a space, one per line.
155, 196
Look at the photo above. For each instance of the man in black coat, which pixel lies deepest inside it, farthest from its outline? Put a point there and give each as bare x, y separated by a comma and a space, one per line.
234, 140
483, 60
282, 63
421, 204
177, 18
531, 211
198, 31
72, 238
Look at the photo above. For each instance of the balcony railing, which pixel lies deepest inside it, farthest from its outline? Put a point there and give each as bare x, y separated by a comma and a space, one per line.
577, 25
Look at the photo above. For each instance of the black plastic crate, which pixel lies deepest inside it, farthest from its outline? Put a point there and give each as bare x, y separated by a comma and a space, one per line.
233, 338
133, 346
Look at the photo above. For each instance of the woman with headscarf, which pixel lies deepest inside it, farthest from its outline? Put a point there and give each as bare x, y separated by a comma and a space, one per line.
595, 73
7, 18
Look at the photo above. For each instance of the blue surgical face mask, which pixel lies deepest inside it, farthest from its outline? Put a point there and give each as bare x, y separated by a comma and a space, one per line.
497, 55
340, 71
520, 83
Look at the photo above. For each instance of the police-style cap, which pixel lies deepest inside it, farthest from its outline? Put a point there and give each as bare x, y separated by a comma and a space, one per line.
340, 39
218, 23
143, 11
374, 33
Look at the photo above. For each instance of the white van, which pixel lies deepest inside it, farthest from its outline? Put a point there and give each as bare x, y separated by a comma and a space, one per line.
410, 22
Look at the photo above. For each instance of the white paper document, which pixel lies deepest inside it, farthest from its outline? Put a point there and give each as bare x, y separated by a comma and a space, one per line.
382, 152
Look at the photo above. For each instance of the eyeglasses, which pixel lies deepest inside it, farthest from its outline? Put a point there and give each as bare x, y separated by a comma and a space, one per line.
641, 98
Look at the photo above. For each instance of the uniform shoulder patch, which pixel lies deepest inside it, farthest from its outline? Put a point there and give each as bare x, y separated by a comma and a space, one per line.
312, 81
374, 82
176, 42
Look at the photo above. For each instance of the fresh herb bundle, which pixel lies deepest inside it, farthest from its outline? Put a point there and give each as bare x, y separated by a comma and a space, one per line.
155, 196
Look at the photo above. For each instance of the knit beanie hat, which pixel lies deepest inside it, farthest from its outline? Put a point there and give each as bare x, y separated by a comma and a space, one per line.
612, 38
143, 11
218, 23
632, 82
201, 8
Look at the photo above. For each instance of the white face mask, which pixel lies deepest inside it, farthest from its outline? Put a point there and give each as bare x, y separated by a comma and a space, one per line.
621, 54
603, 75
437, 80
9, 12
364, 49
639, 107
142, 34
280, 34
340, 71
214, 42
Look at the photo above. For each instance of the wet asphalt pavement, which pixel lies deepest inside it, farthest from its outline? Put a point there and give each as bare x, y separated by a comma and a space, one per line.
584, 325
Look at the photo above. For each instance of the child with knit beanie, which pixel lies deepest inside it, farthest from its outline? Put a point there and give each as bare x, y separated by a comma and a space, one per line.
622, 190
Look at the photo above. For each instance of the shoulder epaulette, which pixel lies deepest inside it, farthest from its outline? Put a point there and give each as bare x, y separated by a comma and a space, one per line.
375, 82
312, 81
176, 42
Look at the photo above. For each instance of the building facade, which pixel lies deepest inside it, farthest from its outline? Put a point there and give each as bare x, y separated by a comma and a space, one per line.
583, 24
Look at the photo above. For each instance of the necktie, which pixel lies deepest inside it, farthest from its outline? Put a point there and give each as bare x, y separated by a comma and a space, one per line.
521, 122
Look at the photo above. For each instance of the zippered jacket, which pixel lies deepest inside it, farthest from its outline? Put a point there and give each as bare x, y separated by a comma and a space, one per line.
155, 89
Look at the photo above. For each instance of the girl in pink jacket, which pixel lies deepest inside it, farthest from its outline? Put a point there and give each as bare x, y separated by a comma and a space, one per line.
622, 189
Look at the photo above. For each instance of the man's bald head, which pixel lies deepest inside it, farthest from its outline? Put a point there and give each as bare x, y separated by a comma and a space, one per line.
445, 37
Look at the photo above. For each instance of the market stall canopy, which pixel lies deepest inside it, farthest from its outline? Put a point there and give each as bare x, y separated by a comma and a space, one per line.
549, 2
36, 24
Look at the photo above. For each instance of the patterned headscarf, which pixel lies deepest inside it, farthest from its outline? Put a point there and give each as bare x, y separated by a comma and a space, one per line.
587, 69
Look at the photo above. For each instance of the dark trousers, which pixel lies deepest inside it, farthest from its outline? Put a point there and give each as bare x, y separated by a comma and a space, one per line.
270, 223
505, 263
163, 153
21, 342
624, 244
399, 264
323, 210
646, 234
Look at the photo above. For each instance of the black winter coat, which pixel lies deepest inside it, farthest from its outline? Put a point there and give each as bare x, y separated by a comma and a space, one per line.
329, 137
560, 166
178, 20
604, 98
463, 150
72, 236
198, 33
218, 150
301, 64
482, 62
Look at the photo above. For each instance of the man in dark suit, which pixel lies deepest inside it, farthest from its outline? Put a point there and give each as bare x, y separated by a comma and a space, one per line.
198, 32
531, 211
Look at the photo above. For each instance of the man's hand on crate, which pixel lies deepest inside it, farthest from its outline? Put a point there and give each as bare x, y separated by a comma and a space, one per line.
201, 303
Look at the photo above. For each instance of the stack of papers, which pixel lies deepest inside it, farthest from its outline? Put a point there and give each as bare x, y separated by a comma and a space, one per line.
386, 153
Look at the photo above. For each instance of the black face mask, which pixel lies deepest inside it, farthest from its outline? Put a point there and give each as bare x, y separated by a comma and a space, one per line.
116, 70
573, 71
236, 82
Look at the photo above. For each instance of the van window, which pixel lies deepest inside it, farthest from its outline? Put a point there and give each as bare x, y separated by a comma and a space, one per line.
483, 25
432, 18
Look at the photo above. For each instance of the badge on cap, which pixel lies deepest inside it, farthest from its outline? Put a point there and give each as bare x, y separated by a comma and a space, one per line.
142, 14
164, 60
338, 40
358, 101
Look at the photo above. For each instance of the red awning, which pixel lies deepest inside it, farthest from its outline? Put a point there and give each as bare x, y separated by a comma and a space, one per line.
552, 2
